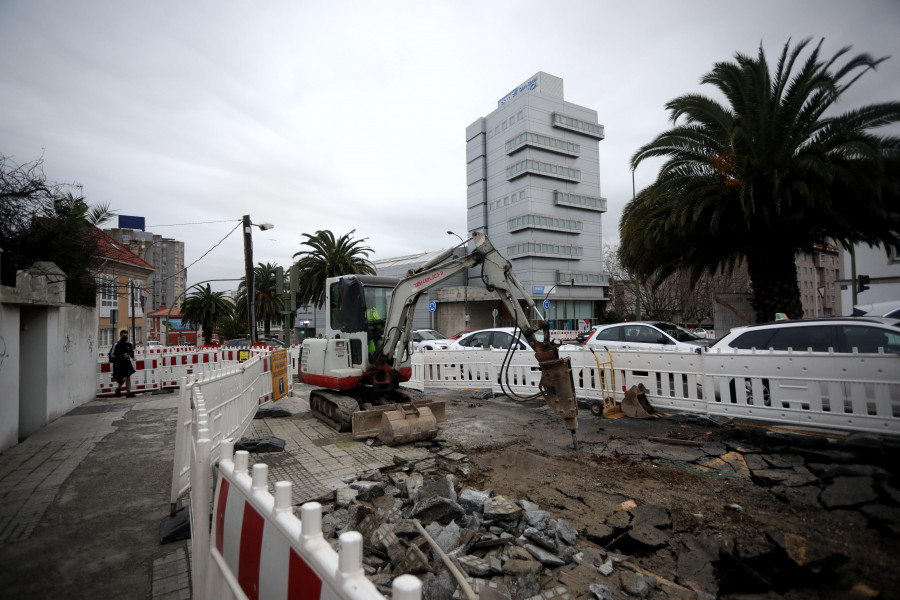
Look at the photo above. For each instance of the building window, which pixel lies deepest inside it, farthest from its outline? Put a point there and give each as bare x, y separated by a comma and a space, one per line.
109, 294
582, 278
107, 337
579, 201
544, 222
536, 167
593, 130
507, 200
537, 249
543, 142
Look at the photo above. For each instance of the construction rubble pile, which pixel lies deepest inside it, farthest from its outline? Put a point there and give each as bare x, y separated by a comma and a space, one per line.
512, 548
503, 548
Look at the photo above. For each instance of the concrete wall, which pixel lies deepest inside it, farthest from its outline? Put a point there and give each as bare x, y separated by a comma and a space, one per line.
48, 357
9, 375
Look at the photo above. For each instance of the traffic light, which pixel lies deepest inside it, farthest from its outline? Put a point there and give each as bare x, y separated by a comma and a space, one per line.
272, 282
279, 280
863, 283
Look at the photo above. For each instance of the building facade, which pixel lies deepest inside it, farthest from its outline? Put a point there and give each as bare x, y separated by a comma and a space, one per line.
533, 186
121, 281
166, 285
819, 274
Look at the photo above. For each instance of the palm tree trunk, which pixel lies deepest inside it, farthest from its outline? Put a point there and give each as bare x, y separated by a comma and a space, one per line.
773, 276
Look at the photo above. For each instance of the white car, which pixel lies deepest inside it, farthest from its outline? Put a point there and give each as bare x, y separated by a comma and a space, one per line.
645, 335
498, 338
865, 335
429, 339
879, 309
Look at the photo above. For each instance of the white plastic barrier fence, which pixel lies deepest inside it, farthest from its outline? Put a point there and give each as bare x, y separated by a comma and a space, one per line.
164, 367
259, 549
233, 394
859, 392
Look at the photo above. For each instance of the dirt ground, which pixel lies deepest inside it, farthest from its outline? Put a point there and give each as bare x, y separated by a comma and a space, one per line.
520, 449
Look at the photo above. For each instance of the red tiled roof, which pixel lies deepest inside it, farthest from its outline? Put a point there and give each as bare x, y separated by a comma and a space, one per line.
164, 312
110, 249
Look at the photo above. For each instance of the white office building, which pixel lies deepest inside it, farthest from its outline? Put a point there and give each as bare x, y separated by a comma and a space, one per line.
533, 177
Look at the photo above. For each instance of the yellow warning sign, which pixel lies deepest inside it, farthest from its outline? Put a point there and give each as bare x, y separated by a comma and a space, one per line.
243, 355
279, 374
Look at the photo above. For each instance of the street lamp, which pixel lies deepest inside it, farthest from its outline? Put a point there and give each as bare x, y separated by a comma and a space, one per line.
248, 267
466, 288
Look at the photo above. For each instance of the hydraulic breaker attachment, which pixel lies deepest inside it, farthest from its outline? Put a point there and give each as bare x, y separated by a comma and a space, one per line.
558, 388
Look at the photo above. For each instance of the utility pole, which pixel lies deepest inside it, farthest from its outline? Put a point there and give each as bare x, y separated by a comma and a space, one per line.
133, 330
251, 285
248, 268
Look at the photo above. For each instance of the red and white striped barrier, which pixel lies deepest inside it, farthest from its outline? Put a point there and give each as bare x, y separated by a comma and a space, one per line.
258, 549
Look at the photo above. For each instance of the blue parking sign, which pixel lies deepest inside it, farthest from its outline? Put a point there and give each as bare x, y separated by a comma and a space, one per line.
547, 304
432, 306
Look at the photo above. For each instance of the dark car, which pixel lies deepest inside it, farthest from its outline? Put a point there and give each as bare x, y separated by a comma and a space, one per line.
239, 342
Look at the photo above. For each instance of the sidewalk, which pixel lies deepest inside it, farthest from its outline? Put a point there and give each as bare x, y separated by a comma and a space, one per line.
82, 499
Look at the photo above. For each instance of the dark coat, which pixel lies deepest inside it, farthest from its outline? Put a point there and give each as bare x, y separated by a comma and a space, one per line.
122, 366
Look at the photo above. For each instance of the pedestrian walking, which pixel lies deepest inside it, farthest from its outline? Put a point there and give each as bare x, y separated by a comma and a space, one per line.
121, 355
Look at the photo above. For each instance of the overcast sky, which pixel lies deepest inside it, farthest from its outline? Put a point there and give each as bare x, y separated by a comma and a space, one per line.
352, 115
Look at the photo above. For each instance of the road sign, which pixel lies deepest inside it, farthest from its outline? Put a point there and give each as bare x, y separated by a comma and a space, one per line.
278, 360
432, 306
547, 304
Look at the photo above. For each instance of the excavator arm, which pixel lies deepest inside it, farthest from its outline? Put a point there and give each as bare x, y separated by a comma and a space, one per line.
556, 384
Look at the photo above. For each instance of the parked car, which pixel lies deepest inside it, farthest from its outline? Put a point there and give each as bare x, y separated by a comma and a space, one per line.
655, 335
497, 337
879, 309
582, 336
461, 333
864, 334
429, 339
238, 342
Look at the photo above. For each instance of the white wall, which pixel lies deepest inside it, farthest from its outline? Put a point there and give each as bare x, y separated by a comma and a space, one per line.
9, 375
72, 376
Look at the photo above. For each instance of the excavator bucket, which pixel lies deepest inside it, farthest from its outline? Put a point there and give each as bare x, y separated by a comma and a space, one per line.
367, 423
407, 424
636, 405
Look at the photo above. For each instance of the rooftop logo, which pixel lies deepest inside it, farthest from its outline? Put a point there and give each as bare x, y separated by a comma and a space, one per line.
529, 85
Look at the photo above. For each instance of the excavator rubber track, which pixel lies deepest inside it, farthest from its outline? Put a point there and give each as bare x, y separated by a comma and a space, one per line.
344, 412
333, 408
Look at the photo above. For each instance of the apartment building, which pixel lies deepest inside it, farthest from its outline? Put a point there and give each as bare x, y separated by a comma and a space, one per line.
166, 255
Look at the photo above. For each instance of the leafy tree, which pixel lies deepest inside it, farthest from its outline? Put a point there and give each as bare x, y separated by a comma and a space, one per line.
41, 221
233, 326
267, 305
205, 308
329, 257
765, 174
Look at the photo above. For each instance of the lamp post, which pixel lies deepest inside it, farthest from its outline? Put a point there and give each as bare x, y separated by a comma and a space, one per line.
248, 268
465, 288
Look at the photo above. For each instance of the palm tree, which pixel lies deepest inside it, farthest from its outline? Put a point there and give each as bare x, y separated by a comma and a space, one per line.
205, 308
329, 257
766, 174
267, 304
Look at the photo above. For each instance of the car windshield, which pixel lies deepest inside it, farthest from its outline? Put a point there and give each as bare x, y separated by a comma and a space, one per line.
679, 333
431, 334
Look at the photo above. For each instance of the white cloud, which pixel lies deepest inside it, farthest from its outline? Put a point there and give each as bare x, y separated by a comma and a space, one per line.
352, 115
